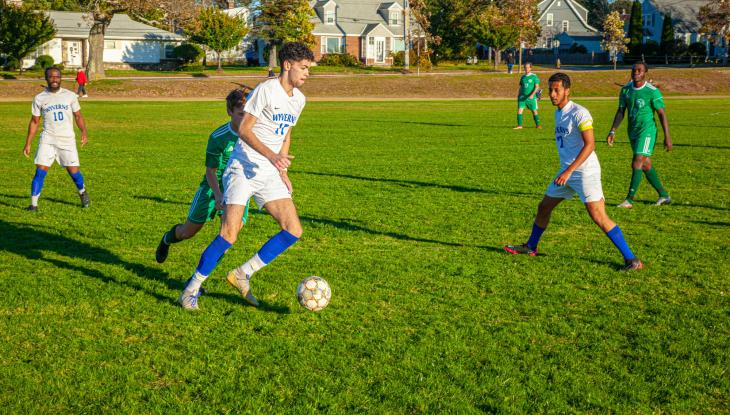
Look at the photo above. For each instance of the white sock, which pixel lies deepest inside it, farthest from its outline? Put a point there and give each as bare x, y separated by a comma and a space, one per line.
195, 282
252, 265
82, 190
34, 200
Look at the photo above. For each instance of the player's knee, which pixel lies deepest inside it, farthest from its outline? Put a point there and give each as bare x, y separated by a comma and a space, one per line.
230, 232
294, 228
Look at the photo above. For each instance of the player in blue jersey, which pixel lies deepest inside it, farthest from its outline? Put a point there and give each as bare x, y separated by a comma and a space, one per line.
59, 108
579, 173
208, 200
258, 167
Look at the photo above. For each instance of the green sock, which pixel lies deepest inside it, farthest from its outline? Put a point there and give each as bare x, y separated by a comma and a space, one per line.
635, 181
537, 119
653, 177
519, 119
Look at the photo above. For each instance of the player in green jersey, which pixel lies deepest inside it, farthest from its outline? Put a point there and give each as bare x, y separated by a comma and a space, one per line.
529, 87
642, 99
208, 200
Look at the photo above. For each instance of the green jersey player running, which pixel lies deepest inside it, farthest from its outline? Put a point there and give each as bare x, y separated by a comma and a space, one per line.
641, 99
526, 98
208, 200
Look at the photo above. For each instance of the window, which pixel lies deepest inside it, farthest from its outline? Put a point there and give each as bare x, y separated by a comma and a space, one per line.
549, 43
558, 4
329, 17
394, 18
371, 41
566, 25
550, 19
331, 45
167, 51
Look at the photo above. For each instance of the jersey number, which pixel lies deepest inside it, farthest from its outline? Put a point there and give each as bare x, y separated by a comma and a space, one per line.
559, 138
58, 116
281, 129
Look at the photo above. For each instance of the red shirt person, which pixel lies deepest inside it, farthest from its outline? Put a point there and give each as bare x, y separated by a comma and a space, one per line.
81, 80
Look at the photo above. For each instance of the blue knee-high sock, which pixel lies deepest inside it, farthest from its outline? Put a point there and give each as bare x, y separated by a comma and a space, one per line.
535, 236
276, 245
617, 237
37, 184
78, 179
212, 255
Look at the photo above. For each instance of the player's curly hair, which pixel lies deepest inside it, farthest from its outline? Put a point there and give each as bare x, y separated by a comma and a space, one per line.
295, 52
561, 77
51, 68
646, 67
237, 97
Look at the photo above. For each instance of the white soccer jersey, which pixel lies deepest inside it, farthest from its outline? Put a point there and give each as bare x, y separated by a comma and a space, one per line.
57, 109
276, 113
570, 122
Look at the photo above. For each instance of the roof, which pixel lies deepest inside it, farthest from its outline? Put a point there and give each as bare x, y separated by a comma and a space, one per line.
684, 13
76, 25
355, 17
545, 5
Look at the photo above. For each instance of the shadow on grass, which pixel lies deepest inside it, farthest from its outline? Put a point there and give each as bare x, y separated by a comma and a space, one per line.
412, 183
41, 200
711, 223
31, 242
702, 146
430, 124
158, 199
676, 204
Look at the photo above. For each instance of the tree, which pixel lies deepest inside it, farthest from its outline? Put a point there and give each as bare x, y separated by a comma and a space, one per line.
597, 11
491, 26
421, 14
715, 20
218, 31
62, 5
283, 21
23, 30
613, 36
636, 29
666, 46
523, 15
620, 6
452, 23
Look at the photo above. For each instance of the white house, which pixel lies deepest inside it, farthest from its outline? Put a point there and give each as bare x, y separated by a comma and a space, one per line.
126, 42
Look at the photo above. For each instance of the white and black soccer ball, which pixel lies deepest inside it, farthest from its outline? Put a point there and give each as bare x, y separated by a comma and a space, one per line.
314, 293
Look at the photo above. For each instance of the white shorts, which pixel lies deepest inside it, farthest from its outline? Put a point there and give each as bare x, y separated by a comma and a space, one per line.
65, 154
243, 180
587, 184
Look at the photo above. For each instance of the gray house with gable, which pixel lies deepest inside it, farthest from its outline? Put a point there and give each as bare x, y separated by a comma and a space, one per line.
565, 22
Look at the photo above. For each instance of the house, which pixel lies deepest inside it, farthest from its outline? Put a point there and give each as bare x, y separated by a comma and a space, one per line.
566, 22
126, 42
370, 30
684, 19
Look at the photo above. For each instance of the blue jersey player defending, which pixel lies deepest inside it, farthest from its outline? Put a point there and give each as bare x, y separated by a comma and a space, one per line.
579, 173
258, 168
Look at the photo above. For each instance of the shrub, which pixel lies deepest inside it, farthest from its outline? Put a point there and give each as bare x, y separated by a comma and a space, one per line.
188, 52
44, 61
338, 59
398, 58
697, 49
576, 48
348, 60
651, 48
12, 64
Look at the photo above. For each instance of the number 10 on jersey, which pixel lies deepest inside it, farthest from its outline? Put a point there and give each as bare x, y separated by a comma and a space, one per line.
58, 116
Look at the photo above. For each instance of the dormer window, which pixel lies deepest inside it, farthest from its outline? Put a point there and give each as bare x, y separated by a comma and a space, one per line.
329, 17
394, 18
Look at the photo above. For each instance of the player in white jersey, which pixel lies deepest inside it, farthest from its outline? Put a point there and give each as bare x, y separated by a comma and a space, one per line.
579, 173
258, 167
59, 108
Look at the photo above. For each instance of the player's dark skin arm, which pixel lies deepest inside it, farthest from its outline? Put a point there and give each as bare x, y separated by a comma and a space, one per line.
280, 161
82, 126
616, 122
589, 144
665, 126
32, 129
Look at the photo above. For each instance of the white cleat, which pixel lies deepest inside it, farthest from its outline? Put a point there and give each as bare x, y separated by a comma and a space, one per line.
663, 201
189, 300
240, 282
625, 204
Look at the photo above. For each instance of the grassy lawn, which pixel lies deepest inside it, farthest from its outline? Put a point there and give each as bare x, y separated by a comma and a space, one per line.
405, 208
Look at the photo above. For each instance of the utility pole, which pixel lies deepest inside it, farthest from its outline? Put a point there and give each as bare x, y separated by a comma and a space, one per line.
406, 35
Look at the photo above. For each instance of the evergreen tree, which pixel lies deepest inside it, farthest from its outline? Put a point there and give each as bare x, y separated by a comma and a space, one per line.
667, 43
636, 30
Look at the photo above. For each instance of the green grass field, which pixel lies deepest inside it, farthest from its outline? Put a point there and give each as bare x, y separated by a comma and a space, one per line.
405, 208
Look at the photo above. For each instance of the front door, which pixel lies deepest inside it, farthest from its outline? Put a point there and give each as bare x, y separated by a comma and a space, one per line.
379, 49
73, 53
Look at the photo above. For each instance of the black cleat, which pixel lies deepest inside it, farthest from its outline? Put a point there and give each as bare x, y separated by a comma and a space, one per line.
32, 208
85, 200
633, 264
162, 250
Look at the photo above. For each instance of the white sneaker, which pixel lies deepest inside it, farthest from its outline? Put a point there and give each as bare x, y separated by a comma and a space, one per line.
663, 201
84, 96
240, 282
625, 204
189, 300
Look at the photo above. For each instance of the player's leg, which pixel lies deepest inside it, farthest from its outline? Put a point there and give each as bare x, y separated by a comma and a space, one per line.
542, 219
44, 157
653, 178
597, 212
202, 209
532, 105
68, 157
520, 109
636, 174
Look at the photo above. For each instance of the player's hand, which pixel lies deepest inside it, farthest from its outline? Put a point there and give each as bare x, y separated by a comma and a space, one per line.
26, 151
563, 178
219, 205
668, 144
84, 139
609, 138
287, 182
281, 161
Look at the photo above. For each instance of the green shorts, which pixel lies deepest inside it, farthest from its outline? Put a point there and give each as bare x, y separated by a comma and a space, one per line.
643, 144
530, 104
202, 209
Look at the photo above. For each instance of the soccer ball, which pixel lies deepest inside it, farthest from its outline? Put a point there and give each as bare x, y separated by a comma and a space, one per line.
314, 293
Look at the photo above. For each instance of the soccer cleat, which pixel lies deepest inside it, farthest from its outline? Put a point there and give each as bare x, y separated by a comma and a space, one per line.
85, 200
519, 127
625, 204
633, 264
241, 283
32, 208
162, 250
189, 300
663, 201
520, 249
539, 127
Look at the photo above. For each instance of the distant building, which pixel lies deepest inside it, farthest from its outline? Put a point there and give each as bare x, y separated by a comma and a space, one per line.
566, 22
242, 52
126, 42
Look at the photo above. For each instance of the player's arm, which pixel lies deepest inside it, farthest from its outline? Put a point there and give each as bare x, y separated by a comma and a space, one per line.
534, 89
280, 161
616, 122
589, 144
285, 152
211, 176
81, 123
32, 129
665, 126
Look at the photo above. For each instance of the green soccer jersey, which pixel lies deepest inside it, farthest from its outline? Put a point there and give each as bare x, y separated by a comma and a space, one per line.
641, 104
220, 147
528, 83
